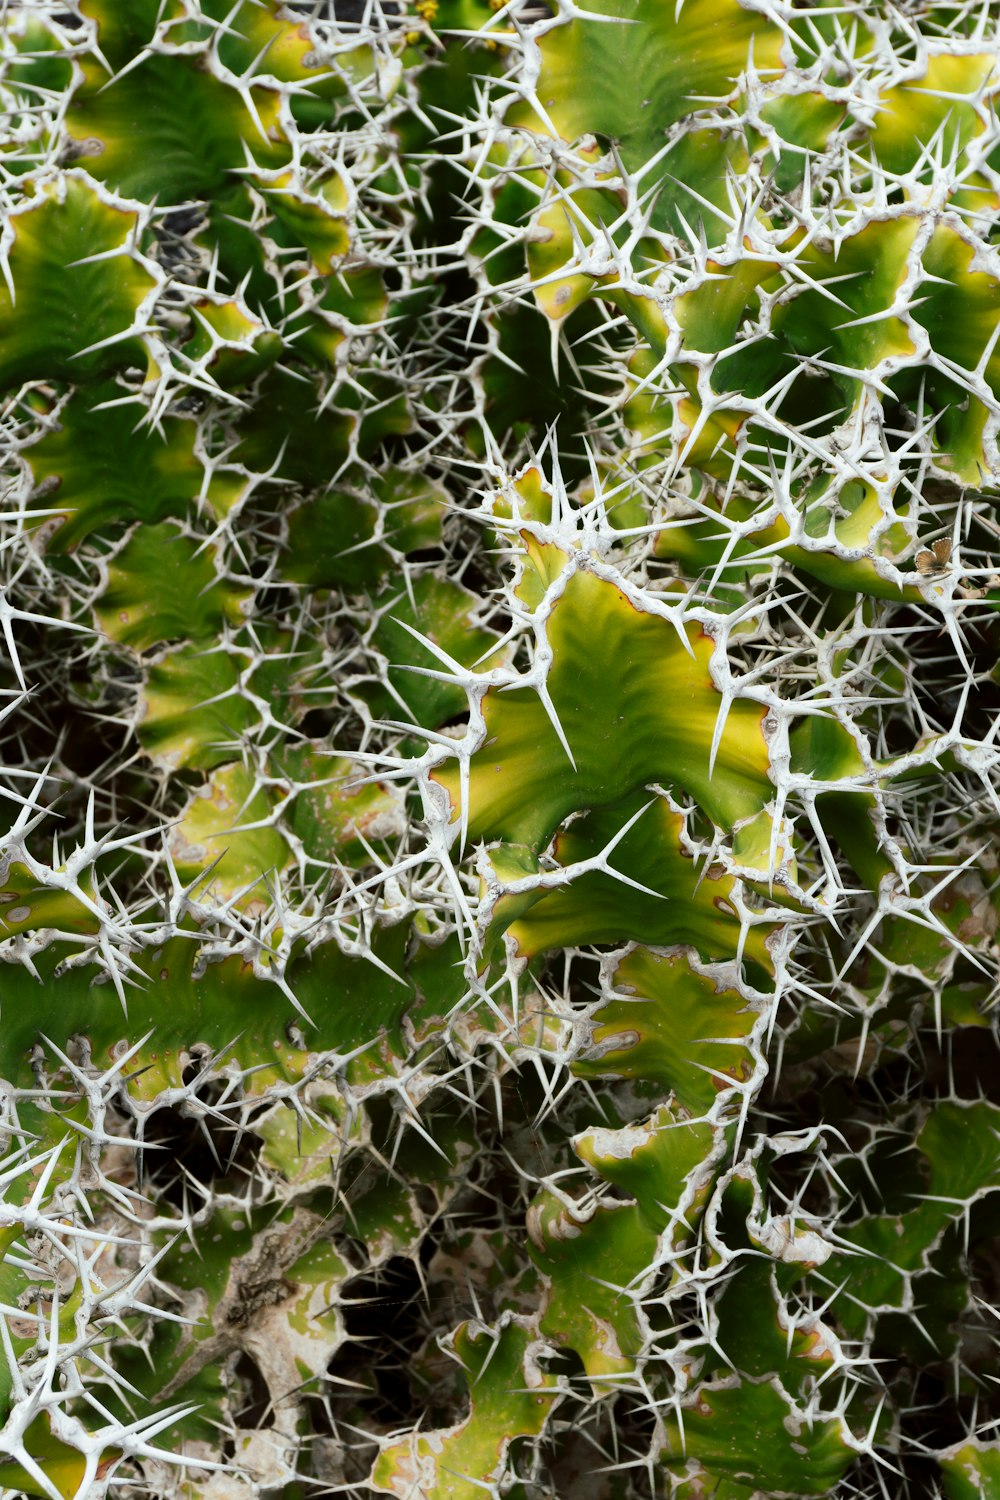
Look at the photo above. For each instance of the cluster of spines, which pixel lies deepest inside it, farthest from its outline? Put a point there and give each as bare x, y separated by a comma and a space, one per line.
327, 493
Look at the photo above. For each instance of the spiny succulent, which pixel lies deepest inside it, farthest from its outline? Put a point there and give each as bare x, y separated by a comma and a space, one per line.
499, 587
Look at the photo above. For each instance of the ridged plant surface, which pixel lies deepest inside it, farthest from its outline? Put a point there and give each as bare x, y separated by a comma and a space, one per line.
499, 875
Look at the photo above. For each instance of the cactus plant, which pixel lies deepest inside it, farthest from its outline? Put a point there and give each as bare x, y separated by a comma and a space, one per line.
499, 584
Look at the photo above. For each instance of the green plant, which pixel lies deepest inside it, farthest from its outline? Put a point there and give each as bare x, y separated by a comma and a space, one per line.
498, 576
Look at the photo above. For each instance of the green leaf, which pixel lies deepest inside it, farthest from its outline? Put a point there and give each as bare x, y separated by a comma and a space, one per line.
445, 613
753, 1433
100, 467
674, 903
200, 703
215, 835
162, 586
77, 283
350, 1004
351, 537
28, 904
510, 1397
845, 312
594, 1269
137, 140
971, 1470
629, 69
64, 1466
671, 1021
636, 703
339, 815
666, 1163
